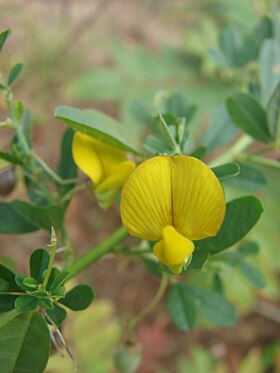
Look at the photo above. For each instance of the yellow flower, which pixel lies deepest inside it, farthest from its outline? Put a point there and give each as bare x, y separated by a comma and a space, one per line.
174, 200
106, 166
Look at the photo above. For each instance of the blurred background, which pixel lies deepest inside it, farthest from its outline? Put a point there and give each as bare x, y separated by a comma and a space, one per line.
121, 56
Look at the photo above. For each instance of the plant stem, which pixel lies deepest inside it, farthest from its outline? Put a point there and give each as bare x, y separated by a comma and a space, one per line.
52, 245
96, 252
260, 160
239, 146
146, 310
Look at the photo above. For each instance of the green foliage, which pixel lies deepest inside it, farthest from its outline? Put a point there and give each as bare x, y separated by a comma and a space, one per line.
14, 73
250, 179
38, 264
241, 215
3, 37
12, 222
185, 301
226, 171
181, 307
100, 126
78, 298
24, 344
248, 114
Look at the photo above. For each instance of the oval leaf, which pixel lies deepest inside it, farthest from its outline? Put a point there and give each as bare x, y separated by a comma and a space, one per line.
249, 179
39, 261
24, 344
14, 73
26, 303
100, 126
3, 37
12, 222
181, 307
79, 298
213, 306
226, 171
241, 215
253, 275
248, 114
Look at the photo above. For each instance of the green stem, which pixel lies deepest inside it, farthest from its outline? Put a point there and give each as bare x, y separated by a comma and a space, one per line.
145, 311
260, 160
96, 252
53, 246
239, 146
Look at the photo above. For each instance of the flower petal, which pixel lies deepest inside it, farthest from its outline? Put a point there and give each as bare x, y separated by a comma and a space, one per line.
117, 177
197, 198
174, 249
86, 158
146, 199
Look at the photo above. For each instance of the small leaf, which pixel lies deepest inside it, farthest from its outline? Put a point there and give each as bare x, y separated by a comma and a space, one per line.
3, 37
250, 179
39, 261
10, 158
199, 152
248, 114
253, 275
46, 303
14, 73
26, 303
38, 293
213, 306
269, 61
59, 280
67, 168
226, 171
25, 344
273, 110
152, 265
12, 222
100, 126
249, 248
7, 280
217, 284
59, 292
199, 258
57, 315
41, 217
79, 298
19, 279
30, 282
181, 307
7, 302
54, 273
241, 215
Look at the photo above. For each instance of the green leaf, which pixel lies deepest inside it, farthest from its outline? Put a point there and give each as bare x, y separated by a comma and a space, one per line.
7, 280
273, 109
7, 303
12, 222
100, 126
253, 275
249, 248
67, 168
41, 217
226, 171
213, 306
221, 131
59, 280
199, 152
24, 344
46, 303
247, 113
53, 275
19, 279
10, 158
230, 42
78, 298
241, 215
3, 37
14, 73
57, 315
7, 317
26, 303
249, 179
217, 284
181, 307
269, 73
30, 282
152, 265
39, 261
199, 258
